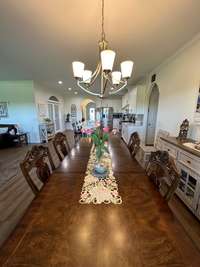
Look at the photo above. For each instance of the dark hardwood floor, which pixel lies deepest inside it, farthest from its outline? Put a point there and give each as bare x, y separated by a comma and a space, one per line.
57, 231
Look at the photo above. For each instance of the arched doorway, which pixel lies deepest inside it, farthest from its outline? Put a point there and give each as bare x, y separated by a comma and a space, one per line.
152, 114
86, 104
54, 111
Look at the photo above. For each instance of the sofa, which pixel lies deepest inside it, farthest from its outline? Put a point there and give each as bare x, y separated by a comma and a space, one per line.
7, 135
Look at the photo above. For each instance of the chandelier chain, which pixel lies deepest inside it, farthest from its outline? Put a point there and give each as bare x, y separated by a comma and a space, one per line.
102, 22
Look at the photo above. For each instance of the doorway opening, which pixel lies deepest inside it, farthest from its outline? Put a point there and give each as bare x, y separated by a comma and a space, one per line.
152, 115
88, 107
90, 112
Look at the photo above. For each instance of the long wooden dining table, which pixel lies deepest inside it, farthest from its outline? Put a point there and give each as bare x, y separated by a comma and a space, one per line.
58, 231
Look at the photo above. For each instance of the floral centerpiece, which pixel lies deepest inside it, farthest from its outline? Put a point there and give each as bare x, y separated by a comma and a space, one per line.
100, 138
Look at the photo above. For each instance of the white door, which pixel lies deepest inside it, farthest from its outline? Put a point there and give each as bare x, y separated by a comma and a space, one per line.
152, 115
54, 114
56, 117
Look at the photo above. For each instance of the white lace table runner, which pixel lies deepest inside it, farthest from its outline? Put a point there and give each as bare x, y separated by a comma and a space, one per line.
96, 190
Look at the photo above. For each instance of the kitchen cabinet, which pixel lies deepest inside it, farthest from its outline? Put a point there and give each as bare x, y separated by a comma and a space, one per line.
134, 100
188, 189
188, 165
125, 101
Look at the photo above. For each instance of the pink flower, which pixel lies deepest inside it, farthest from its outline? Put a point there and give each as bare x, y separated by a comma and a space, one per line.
98, 124
105, 129
89, 131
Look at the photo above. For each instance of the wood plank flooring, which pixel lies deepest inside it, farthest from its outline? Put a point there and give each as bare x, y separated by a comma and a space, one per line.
57, 231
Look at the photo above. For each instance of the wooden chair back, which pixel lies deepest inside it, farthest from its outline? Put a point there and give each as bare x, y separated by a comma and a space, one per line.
134, 143
162, 170
53, 155
37, 167
61, 145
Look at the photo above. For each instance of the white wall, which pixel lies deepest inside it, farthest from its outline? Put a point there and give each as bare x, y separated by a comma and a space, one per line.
42, 95
21, 106
178, 81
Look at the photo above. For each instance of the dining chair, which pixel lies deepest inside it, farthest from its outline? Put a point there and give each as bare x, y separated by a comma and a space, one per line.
37, 167
163, 172
134, 143
53, 155
145, 151
61, 145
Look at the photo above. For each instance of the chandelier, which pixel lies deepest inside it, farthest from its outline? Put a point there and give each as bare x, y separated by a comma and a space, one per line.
114, 80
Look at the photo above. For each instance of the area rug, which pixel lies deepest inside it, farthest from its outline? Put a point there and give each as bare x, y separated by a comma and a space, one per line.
97, 191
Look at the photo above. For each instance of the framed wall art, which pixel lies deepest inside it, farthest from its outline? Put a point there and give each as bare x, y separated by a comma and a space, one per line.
197, 110
3, 109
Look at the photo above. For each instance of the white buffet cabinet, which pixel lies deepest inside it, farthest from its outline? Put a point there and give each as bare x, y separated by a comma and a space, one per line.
188, 164
128, 128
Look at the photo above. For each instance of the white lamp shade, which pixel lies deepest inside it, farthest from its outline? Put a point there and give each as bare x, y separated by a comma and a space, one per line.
87, 74
107, 59
126, 68
78, 69
116, 77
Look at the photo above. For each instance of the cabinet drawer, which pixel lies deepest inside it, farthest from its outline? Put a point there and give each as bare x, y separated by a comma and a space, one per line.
190, 162
170, 149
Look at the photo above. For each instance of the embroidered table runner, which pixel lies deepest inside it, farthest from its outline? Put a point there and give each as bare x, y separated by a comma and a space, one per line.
97, 190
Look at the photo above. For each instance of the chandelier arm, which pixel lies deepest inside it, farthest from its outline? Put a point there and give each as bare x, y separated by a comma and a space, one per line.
87, 91
107, 77
96, 70
102, 81
96, 74
93, 77
118, 90
105, 85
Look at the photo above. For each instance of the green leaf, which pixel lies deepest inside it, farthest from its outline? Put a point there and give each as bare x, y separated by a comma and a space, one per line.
105, 137
106, 149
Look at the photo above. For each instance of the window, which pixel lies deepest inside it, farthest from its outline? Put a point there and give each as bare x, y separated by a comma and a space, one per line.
92, 114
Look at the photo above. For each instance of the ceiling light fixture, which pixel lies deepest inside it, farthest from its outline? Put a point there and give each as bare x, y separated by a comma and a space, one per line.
117, 80
69, 88
76, 93
60, 82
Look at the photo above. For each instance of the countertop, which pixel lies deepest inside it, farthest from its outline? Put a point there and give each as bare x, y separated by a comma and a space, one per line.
132, 123
178, 143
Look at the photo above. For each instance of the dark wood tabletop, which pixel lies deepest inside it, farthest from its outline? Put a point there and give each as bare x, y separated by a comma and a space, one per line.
57, 231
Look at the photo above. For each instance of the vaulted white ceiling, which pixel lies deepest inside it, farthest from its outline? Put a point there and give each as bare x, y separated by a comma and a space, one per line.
40, 38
